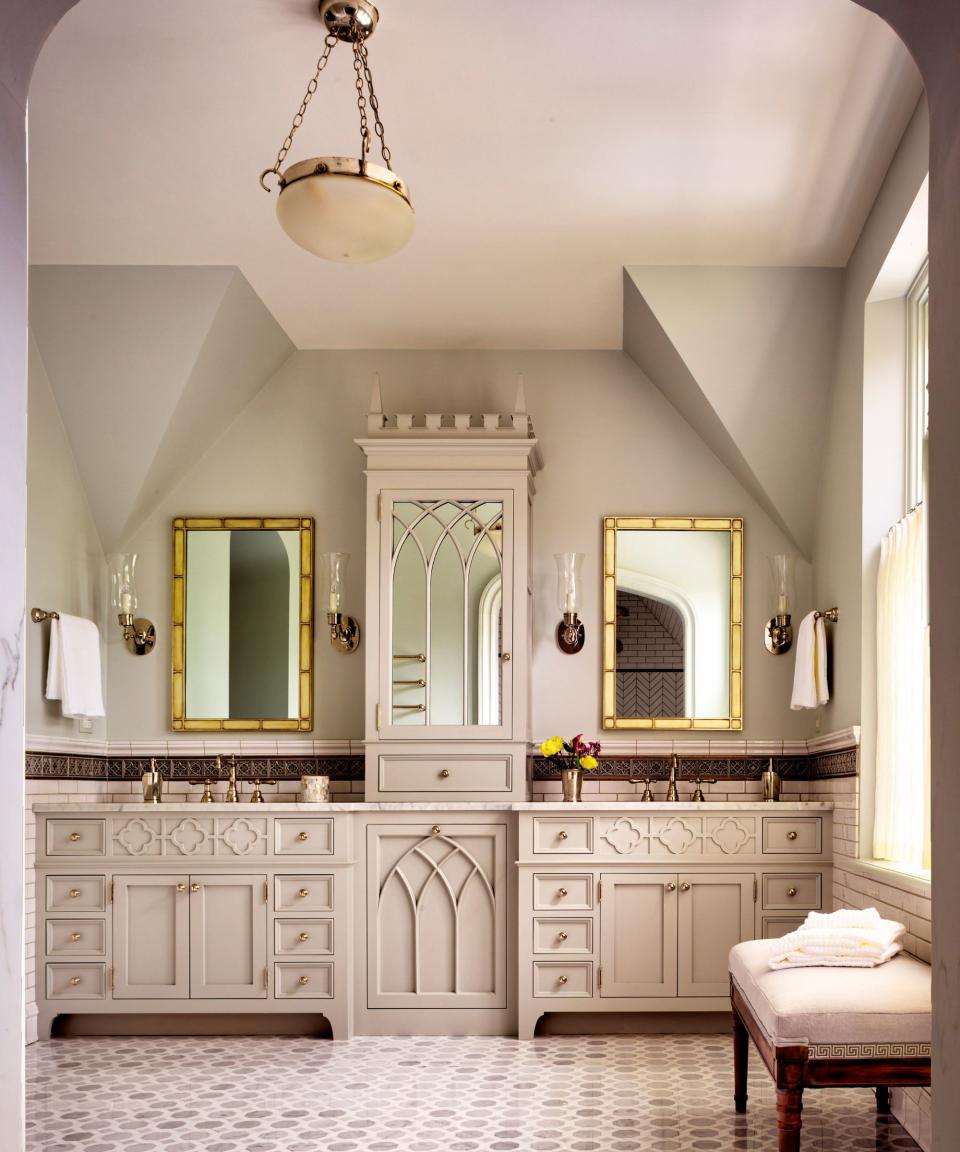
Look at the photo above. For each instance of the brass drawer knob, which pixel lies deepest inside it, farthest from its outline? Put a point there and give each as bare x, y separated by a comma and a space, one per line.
561, 935
435, 829
304, 892
791, 835
181, 887
304, 980
74, 980
75, 936
505, 657
562, 834
304, 937
74, 893
74, 837
444, 773
791, 891
561, 979
671, 887
303, 836
684, 887
194, 887
562, 892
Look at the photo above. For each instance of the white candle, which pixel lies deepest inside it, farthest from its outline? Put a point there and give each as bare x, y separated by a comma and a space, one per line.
568, 602
334, 605
126, 602
781, 605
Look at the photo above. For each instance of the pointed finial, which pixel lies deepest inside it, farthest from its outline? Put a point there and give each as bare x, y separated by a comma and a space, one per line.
376, 396
520, 404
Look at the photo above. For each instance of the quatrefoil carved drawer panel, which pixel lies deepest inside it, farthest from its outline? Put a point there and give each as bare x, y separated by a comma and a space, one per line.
191, 837
685, 835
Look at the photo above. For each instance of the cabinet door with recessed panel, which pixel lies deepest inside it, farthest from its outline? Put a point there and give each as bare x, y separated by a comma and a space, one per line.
151, 937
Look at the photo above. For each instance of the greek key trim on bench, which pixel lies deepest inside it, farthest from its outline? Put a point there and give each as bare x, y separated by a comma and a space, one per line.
875, 1051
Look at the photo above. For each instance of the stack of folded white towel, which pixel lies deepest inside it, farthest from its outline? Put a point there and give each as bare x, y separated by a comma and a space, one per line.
850, 938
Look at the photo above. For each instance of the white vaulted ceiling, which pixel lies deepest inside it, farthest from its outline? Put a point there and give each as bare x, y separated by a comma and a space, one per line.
544, 152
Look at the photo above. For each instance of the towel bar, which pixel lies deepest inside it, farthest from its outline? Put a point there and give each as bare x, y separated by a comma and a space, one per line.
831, 614
38, 615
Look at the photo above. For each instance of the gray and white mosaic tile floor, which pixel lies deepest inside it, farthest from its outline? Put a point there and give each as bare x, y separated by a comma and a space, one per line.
463, 1094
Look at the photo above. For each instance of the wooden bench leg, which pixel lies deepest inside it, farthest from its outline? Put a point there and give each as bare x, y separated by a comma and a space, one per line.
741, 1049
790, 1077
883, 1101
789, 1107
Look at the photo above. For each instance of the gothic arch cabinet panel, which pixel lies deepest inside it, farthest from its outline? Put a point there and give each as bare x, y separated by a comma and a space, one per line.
437, 915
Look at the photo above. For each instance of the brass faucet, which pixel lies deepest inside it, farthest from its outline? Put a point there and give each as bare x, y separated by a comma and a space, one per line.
233, 788
672, 793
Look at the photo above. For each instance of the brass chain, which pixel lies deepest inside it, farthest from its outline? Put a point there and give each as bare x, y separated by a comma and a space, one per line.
361, 101
361, 61
329, 43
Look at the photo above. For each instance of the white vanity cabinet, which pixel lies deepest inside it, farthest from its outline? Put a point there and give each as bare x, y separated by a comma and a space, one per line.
635, 907
447, 609
197, 908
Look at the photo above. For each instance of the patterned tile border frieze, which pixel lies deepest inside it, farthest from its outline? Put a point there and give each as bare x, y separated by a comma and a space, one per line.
52, 766
56, 766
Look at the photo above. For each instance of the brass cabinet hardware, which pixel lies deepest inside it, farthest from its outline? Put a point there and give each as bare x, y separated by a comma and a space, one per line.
562, 892
684, 887
754, 889
791, 891
266, 977
74, 837
435, 830
411, 683
418, 656
304, 892
110, 977
181, 887
74, 980
194, 887
562, 835
74, 893
266, 892
562, 935
303, 836
791, 835
599, 977
409, 707
599, 891
75, 936
505, 657
304, 980
304, 937
561, 979
444, 773
111, 892
671, 887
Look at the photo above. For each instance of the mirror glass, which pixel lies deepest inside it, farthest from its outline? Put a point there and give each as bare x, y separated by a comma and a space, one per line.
673, 590
242, 631
447, 620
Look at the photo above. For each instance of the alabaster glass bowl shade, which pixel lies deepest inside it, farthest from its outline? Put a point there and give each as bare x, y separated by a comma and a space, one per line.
332, 210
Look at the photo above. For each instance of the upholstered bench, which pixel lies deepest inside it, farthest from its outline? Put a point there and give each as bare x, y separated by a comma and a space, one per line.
828, 1027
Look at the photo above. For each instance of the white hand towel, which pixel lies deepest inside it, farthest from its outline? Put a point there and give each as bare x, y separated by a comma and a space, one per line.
844, 918
73, 670
802, 960
810, 670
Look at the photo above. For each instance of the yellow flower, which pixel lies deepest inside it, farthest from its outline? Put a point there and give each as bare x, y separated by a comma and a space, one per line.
588, 763
552, 746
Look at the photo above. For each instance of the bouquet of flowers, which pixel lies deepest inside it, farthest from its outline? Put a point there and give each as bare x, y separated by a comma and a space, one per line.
575, 753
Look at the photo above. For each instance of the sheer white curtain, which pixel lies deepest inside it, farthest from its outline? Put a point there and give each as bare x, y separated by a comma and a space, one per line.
902, 822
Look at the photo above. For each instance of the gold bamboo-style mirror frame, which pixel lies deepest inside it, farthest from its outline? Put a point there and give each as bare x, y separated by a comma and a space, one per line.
734, 526
179, 720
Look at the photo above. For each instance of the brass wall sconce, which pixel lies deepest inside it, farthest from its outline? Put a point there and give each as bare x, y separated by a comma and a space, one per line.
344, 630
778, 632
571, 634
139, 633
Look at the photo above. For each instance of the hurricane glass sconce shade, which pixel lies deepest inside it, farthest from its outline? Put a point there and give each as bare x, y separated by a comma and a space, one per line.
138, 632
344, 630
778, 633
337, 207
571, 633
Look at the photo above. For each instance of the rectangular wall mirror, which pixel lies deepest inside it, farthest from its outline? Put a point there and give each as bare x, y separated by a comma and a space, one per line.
242, 636
673, 622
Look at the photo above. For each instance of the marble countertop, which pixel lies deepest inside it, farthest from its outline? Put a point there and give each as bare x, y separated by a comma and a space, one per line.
290, 809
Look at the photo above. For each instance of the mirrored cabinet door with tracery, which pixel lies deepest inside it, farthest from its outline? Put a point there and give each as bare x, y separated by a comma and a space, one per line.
448, 612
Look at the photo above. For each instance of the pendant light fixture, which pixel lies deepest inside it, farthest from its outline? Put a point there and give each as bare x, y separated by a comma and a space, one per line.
336, 207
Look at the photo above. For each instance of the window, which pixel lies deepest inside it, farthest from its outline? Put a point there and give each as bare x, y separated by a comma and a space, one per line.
902, 806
